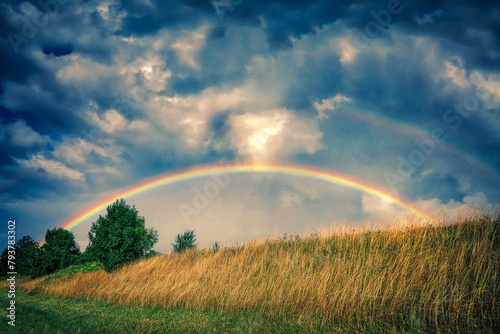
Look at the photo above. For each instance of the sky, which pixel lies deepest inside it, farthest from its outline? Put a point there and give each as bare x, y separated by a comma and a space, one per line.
99, 96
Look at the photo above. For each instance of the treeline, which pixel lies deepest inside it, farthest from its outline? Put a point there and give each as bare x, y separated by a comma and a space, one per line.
117, 238
59, 251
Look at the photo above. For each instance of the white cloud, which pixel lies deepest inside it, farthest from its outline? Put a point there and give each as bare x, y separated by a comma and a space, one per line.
486, 84
347, 52
427, 172
489, 87
454, 211
76, 152
454, 69
188, 44
188, 117
110, 14
147, 72
22, 135
330, 104
378, 207
110, 122
272, 135
81, 71
54, 168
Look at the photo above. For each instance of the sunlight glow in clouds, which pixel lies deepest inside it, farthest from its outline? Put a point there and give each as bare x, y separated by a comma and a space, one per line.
272, 135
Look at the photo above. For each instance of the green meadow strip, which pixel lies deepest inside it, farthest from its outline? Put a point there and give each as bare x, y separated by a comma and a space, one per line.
39, 314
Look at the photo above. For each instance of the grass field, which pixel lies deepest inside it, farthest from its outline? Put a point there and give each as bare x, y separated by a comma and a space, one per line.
416, 280
52, 315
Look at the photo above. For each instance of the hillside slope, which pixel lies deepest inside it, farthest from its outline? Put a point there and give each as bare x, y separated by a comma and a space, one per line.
443, 278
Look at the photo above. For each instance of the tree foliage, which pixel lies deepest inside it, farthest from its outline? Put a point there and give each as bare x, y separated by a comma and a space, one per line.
120, 237
184, 241
59, 250
28, 257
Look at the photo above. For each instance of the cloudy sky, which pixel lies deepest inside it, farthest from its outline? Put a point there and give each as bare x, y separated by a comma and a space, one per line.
96, 96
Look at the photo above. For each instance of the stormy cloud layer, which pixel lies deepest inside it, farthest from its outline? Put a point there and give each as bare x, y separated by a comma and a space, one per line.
99, 95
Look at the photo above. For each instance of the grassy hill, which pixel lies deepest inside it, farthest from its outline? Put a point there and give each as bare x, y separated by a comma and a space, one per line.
421, 279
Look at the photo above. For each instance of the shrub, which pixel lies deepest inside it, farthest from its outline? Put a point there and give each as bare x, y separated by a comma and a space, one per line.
184, 241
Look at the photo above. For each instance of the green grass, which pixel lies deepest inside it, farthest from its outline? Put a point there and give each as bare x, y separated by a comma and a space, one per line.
77, 268
47, 314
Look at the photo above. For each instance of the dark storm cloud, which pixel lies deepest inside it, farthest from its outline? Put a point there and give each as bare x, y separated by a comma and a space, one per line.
143, 18
282, 18
473, 24
13, 67
51, 109
57, 50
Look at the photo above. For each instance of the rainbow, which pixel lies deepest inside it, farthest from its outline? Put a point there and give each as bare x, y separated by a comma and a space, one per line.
207, 170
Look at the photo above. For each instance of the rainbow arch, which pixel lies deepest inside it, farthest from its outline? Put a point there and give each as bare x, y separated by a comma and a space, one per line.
207, 170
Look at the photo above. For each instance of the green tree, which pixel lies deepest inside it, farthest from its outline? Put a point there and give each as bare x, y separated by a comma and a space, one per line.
120, 237
59, 251
28, 257
184, 241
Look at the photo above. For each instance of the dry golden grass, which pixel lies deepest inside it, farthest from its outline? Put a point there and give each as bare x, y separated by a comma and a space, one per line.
445, 277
